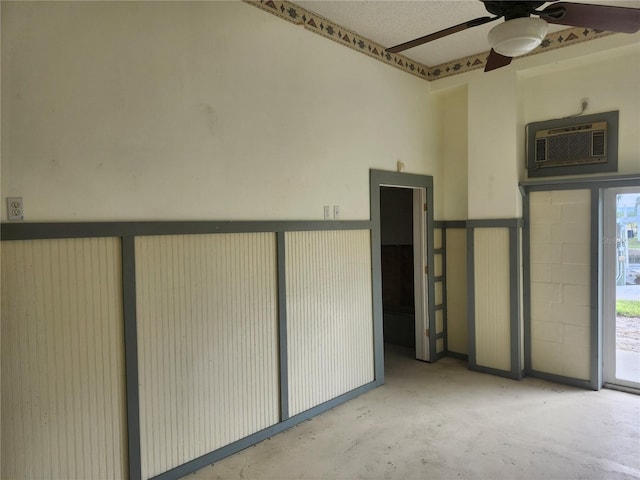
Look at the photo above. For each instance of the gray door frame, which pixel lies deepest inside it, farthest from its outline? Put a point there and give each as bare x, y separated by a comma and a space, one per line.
382, 178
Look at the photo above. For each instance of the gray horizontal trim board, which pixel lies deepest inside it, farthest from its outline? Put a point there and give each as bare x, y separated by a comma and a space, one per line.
622, 388
455, 224
438, 224
239, 445
494, 371
441, 355
458, 356
395, 179
495, 223
33, 231
550, 377
583, 182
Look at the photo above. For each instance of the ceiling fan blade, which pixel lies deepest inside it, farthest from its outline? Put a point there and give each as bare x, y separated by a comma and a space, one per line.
496, 60
442, 33
597, 17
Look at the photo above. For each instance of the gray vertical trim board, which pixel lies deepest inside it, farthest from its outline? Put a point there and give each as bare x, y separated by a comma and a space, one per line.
514, 299
431, 288
526, 287
471, 299
377, 179
376, 279
596, 290
443, 256
131, 356
283, 359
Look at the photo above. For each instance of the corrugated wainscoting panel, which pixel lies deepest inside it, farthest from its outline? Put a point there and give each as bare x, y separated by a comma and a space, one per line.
207, 337
329, 315
63, 403
492, 302
456, 276
560, 226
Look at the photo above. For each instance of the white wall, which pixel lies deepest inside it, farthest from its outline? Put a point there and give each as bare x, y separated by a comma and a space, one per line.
199, 110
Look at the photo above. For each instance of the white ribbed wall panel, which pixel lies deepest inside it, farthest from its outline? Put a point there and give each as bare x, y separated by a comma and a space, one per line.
63, 404
456, 277
329, 315
492, 298
208, 345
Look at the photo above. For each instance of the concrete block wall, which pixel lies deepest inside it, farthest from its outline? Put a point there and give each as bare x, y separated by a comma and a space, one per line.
560, 225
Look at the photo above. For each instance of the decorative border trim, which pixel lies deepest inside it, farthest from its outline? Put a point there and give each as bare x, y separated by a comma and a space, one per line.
553, 41
322, 26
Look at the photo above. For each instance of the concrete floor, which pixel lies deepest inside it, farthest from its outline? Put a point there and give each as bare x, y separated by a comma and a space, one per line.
443, 421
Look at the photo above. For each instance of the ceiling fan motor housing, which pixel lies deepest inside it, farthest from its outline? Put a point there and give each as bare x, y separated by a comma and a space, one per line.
511, 10
518, 36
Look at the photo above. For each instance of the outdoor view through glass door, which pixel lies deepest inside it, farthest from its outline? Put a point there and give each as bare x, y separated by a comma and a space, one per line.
622, 288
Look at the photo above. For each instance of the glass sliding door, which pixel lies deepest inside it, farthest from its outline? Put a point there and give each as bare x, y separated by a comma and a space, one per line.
621, 277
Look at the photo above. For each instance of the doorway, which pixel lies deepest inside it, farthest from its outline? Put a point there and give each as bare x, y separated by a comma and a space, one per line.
398, 259
421, 191
621, 316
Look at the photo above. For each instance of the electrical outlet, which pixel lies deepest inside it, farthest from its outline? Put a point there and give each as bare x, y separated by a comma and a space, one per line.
336, 212
327, 212
15, 210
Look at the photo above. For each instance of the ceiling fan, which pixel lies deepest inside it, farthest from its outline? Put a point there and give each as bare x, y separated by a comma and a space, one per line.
520, 33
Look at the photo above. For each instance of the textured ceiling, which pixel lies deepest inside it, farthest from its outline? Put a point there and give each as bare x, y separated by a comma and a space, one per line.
392, 22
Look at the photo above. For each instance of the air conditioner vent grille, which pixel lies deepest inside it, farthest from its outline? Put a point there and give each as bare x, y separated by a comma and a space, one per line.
573, 145
598, 143
569, 147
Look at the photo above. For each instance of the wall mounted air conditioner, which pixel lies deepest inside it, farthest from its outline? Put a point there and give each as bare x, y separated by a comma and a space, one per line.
573, 146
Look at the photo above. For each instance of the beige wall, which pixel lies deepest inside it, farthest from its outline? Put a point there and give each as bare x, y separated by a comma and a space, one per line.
611, 83
198, 110
452, 109
539, 87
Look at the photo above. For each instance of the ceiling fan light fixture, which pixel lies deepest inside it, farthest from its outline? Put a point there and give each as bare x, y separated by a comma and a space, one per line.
518, 36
